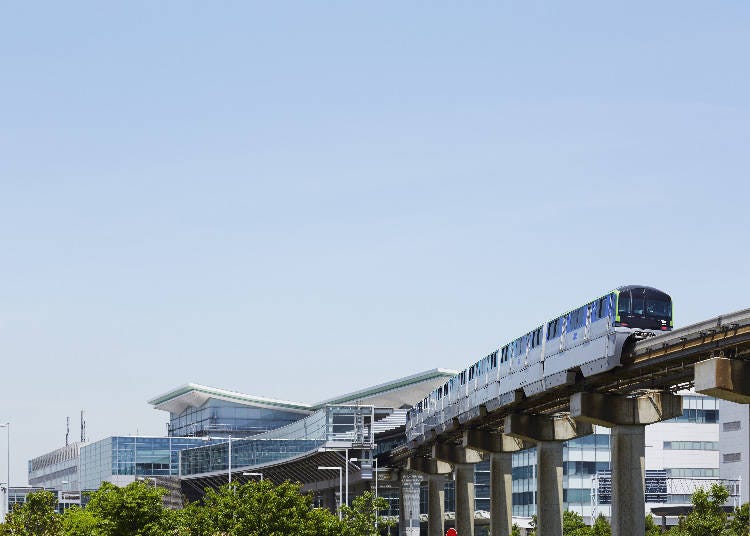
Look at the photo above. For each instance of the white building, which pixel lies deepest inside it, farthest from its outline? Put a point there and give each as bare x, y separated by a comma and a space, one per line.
734, 445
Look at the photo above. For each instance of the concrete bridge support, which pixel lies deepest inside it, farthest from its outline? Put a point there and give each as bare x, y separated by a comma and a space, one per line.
628, 418
435, 471
463, 461
728, 379
500, 449
464, 498
548, 433
408, 510
435, 505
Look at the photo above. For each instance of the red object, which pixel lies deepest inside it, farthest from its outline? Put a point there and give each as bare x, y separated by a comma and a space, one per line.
451, 532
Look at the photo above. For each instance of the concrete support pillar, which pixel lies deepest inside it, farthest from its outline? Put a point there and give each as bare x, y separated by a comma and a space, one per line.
435, 471
500, 448
464, 498
549, 477
463, 460
628, 474
435, 505
628, 418
501, 493
548, 433
408, 508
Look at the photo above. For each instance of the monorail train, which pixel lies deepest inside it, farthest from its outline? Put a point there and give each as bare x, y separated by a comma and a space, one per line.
586, 341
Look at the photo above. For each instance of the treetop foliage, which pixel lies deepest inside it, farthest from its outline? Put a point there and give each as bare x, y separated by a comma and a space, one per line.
250, 509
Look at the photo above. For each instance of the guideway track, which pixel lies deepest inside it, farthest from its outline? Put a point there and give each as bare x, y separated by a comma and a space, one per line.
662, 363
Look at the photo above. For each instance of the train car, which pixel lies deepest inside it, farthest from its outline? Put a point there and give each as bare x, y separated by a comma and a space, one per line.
588, 340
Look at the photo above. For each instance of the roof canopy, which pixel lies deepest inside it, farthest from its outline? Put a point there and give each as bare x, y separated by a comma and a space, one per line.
394, 394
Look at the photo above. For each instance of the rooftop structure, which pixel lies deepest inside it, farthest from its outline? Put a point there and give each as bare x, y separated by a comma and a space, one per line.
199, 410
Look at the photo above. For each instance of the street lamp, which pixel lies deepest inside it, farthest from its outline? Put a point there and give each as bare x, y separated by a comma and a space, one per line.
341, 491
360, 460
254, 474
7, 491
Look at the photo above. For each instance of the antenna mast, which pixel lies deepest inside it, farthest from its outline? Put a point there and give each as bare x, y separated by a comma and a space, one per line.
83, 428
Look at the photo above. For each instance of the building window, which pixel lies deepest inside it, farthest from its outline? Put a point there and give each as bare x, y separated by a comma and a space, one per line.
732, 457
732, 426
688, 472
691, 445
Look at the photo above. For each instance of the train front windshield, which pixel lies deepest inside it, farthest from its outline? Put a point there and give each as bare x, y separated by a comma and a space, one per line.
646, 308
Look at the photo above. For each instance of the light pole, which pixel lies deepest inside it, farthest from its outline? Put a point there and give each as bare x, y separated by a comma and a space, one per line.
346, 459
254, 474
229, 458
360, 460
340, 490
375, 460
7, 489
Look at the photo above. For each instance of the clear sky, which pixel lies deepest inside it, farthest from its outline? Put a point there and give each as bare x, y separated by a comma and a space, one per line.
299, 199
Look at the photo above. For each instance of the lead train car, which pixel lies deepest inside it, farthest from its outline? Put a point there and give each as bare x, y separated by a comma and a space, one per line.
587, 341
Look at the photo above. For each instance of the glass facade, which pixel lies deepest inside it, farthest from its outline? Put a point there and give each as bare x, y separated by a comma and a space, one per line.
217, 417
342, 426
698, 410
57, 469
131, 456
245, 452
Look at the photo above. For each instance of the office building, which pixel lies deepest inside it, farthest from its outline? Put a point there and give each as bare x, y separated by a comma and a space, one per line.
734, 445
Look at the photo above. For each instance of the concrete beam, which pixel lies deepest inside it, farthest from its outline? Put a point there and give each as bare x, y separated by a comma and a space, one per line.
612, 410
428, 466
489, 442
455, 454
544, 428
728, 379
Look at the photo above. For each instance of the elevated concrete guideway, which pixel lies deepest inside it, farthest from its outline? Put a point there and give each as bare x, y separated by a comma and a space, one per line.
713, 355
661, 363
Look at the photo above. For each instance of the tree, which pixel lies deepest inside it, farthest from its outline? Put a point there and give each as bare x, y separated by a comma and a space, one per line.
260, 508
134, 510
515, 530
738, 525
362, 519
601, 527
78, 521
35, 517
573, 525
708, 517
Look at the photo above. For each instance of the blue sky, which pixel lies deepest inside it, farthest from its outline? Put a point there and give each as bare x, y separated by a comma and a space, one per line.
297, 200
